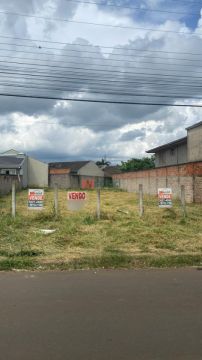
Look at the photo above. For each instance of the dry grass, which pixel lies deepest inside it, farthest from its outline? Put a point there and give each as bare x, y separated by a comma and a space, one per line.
161, 238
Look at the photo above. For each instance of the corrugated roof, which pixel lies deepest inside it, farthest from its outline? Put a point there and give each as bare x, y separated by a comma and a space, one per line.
10, 162
168, 145
74, 166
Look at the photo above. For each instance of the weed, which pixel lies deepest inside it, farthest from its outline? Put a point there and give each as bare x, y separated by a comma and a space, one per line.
83, 241
169, 214
89, 220
20, 263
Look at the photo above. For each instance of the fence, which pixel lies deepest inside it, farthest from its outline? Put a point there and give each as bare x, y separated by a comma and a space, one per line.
36, 200
189, 175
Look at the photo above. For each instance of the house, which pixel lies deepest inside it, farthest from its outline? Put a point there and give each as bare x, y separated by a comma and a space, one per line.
181, 151
24, 169
75, 174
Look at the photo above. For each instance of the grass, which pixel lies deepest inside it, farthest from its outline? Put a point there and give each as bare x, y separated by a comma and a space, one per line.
120, 239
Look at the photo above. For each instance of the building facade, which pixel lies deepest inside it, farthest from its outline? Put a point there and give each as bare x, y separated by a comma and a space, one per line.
75, 175
181, 151
27, 172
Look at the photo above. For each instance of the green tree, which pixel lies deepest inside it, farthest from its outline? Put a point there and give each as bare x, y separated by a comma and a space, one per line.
138, 164
103, 162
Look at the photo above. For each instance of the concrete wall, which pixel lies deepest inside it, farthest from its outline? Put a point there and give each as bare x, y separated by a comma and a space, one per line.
24, 172
37, 173
6, 183
176, 155
189, 175
194, 141
67, 181
62, 180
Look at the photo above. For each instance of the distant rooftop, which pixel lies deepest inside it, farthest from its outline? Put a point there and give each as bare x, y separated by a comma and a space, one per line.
168, 145
111, 170
10, 162
74, 166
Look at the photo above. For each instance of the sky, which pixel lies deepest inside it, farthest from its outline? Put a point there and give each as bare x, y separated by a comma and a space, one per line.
147, 51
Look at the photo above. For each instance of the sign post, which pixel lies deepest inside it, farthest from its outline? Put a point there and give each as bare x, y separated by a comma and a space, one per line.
165, 198
35, 199
98, 204
13, 200
141, 206
183, 202
56, 199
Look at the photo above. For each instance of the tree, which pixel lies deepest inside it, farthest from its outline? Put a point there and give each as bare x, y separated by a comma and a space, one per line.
138, 164
103, 162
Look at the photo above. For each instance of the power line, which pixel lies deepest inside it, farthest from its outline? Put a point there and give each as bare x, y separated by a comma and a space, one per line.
92, 52
90, 81
123, 72
86, 52
96, 24
131, 7
98, 101
100, 46
195, 67
100, 91
107, 81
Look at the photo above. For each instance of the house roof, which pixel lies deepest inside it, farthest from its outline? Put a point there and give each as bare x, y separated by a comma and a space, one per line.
168, 145
110, 170
194, 126
10, 162
74, 166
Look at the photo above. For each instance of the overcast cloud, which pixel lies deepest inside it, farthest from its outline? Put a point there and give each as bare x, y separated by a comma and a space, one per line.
86, 61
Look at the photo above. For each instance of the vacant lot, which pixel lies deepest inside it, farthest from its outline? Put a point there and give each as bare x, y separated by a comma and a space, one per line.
162, 237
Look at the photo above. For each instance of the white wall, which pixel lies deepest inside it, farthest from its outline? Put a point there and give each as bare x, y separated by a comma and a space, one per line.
37, 173
194, 137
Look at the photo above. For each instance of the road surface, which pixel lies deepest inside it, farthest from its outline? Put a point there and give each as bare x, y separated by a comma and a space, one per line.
98, 315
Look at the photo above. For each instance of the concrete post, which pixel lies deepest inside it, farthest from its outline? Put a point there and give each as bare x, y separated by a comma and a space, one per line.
98, 204
56, 199
13, 199
141, 206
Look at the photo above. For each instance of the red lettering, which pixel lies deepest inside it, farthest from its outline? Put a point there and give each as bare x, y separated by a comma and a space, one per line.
76, 196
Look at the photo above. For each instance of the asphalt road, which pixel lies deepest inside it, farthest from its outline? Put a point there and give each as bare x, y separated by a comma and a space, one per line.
126, 315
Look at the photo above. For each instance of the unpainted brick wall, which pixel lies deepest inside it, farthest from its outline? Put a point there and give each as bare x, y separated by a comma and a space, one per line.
189, 175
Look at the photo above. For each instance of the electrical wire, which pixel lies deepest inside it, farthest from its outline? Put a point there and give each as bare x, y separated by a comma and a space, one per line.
123, 72
101, 101
100, 46
86, 52
131, 7
98, 24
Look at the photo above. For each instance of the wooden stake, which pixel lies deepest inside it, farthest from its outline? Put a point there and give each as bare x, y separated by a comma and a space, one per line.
141, 206
13, 200
98, 204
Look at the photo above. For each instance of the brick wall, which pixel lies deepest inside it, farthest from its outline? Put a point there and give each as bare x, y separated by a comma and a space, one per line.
189, 175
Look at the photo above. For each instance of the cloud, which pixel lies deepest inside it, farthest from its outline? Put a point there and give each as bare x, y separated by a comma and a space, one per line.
128, 62
132, 135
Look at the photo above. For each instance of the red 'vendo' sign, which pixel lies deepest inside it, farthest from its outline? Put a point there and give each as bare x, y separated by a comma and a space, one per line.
76, 195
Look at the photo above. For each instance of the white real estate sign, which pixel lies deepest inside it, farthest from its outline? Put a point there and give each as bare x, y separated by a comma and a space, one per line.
35, 199
165, 197
76, 200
